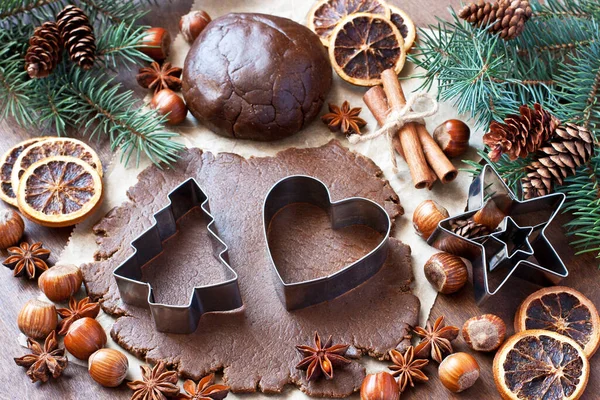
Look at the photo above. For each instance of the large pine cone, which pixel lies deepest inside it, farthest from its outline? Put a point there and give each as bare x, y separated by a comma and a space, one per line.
505, 16
571, 147
522, 134
44, 50
77, 35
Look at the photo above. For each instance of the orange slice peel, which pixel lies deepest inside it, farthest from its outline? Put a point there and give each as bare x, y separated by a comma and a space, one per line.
59, 191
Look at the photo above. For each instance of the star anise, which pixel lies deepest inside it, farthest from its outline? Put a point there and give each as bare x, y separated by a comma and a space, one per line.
204, 390
344, 119
157, 78
156, 384
43, 363
407, 369
83, 308
322, 358
27, 258
435, 341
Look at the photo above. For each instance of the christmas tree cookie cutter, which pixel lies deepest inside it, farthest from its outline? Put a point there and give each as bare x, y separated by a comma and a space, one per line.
350, 211
520, 246
221, 296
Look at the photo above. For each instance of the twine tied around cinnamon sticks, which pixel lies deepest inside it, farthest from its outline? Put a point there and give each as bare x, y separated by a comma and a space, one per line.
396, 119
426, 160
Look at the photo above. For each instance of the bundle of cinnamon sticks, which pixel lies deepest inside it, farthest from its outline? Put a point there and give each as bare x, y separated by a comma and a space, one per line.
426, 160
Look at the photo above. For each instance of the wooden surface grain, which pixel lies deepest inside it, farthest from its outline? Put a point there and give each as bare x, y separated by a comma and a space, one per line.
76, 384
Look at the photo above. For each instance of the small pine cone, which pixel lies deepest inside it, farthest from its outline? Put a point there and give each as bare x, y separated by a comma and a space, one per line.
522, 134
77, 35
505, 16
571, 147
468, 228
44, 50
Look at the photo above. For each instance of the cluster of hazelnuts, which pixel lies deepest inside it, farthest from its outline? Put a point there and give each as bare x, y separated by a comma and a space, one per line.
85, 338
156, 44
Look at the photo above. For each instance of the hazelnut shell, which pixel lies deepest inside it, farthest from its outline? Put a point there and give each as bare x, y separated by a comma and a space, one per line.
11, 228
458, 372
156, 43
37, 318
85, 336
485, 332
60, 282
192, 24
427, 216
108, 367
380, 386
166, 102
453, 137
446, 272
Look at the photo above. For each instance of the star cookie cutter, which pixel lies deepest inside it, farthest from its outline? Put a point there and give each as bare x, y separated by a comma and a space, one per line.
350, 211
520, 246
221, 296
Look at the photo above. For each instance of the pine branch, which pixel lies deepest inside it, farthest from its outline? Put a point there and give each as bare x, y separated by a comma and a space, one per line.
14, 84
100, 107
12, 8
118, 46
584, 9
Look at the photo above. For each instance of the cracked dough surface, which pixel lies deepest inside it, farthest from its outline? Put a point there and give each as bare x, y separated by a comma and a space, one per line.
267, 89
255, 346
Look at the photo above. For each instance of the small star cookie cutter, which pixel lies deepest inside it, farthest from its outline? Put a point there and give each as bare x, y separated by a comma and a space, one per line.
520, 246
350, 211
217, 297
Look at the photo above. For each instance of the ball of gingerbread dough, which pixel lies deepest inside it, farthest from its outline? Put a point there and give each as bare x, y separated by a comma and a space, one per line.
256, 76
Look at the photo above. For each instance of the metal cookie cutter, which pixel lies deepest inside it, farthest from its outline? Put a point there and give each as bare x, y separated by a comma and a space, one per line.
351, 211
222, 296
519, 247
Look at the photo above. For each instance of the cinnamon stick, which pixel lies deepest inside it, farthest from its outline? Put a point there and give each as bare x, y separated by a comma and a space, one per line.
375, 100
435, 156
409, 136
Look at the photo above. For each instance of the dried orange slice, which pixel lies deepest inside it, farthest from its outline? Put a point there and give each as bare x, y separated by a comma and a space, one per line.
405, 25
538, 364
563, 310
362, 46
59, 191
7, 163
54, 147
326, 14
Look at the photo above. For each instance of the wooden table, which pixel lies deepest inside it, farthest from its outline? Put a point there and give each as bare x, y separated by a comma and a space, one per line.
76, 383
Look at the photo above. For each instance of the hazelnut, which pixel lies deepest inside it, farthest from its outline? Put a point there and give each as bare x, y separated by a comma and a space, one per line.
167, 103
192, 24
446, 272
458, 372
490, 215
108, 367
453, 137
156, 43
60, 282
484, 333
37, 319
427, 216
11, 228
380, 386
84, 337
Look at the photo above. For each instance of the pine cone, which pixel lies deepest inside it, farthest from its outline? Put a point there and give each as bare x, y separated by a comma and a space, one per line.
571, 147
522, 134
505, 16
77, 35
468, 228
44, 50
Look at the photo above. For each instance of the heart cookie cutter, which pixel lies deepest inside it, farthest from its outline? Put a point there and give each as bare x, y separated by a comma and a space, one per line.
520, 246
351, 211
221, 296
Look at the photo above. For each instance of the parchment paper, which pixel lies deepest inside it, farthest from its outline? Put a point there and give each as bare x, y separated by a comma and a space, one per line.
118, 179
